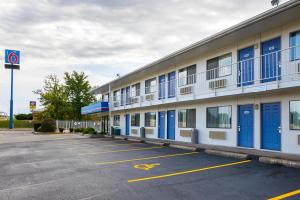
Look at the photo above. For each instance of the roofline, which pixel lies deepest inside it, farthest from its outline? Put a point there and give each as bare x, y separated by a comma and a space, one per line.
269, 13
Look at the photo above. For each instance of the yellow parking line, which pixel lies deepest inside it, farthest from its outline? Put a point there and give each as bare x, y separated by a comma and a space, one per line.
124, 150
188, 172
145, 158
283, 196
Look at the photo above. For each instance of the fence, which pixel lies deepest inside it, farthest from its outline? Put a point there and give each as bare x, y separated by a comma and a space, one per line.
65, 124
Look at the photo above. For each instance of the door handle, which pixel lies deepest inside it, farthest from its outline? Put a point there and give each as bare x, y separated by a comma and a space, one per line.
239, 128
279, 129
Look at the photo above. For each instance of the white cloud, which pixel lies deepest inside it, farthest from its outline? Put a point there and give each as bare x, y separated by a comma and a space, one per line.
103, 37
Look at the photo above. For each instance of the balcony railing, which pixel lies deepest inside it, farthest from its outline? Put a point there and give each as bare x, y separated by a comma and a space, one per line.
278, 69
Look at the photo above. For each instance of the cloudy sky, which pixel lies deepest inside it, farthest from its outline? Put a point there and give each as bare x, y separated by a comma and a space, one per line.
103, 37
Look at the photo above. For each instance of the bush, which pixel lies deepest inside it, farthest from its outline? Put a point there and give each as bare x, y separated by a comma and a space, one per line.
60, 130
78, 130
71, 130
24, 116
89, 131
48, 125
36, 126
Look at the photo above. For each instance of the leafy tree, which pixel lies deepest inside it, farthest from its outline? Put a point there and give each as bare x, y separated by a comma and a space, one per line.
54, 98
78, 91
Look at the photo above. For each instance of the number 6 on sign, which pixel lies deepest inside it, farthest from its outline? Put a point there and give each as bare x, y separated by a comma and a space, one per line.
146, 167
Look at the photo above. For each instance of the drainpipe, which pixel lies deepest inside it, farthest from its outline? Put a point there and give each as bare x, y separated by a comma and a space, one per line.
109, 109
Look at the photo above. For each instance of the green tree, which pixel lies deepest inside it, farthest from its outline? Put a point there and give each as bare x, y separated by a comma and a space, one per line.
78, 91
54, 98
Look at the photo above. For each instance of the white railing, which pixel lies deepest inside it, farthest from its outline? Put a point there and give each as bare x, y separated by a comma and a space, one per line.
67, 124
260, 72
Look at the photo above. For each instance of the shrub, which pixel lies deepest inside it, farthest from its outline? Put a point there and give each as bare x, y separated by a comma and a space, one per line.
61, 130
78, 130
48, 125
36, 126
89, 131
24, 116
71, 130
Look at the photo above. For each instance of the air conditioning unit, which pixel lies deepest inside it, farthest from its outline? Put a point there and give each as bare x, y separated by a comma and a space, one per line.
116, 104
186, 90
217, 84
149, 97
134, 100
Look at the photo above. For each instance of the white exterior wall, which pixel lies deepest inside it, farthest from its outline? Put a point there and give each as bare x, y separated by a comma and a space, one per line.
289, 138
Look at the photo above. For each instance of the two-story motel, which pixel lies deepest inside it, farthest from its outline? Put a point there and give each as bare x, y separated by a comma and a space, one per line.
238, 88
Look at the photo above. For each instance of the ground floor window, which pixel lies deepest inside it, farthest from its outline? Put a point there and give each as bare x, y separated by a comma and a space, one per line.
187, 118
150, 119
117, 120
135, 119
218, 117
295, 115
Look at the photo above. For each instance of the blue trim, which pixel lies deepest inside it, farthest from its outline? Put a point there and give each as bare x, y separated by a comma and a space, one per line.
95, 108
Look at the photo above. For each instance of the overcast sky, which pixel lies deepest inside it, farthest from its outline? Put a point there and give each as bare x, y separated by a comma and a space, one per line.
103, 37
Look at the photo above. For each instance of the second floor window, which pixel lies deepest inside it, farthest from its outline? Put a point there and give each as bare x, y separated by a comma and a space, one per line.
219, 67
295, 46
135, 90
187, 76
117, 95
150, 86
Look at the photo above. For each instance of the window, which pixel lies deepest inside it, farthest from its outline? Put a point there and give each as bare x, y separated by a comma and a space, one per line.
116, 120
150, 86
150, 119
218, 117
187, 118
295, 46
135, 90
127, 96
295, 115
219, 67
117, 95
135, 119
106, 97
187, 75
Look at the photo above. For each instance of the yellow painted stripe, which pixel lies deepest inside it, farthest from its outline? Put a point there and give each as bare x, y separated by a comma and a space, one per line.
283, 196
188, 172
123, 150
145, 158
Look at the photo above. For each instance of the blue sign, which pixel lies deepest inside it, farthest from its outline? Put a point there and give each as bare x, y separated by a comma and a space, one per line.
95, 108
12, 57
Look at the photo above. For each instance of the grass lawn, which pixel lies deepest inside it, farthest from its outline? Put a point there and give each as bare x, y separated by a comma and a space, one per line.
17, 124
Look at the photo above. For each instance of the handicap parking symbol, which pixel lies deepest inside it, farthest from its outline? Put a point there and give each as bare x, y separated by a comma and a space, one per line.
146, 167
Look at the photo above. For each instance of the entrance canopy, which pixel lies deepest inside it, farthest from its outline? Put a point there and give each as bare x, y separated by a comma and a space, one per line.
95, 108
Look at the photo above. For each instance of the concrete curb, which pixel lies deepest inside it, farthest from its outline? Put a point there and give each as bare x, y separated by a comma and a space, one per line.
276, 161
227, 154
183, 147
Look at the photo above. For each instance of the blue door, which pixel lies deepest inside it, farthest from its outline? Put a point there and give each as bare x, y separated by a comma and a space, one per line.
161, 125
162, 81
171, 125
271, 126
246, 66
171, 84
245, 126
127, 124
270, 64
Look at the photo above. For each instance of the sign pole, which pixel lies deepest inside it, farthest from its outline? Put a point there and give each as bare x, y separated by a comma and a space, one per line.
11, 115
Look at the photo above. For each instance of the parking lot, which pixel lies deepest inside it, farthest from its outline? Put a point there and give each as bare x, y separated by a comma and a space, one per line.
73, 167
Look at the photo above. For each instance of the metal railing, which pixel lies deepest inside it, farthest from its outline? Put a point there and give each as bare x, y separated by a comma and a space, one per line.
273, 68
67, 124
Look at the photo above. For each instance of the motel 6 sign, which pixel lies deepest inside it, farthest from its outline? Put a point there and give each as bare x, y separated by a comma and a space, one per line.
12, 59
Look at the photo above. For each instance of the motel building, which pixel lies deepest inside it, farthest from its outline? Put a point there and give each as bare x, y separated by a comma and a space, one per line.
238, 89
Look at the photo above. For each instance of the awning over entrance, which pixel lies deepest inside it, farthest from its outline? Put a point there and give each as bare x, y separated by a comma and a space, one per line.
95, 108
